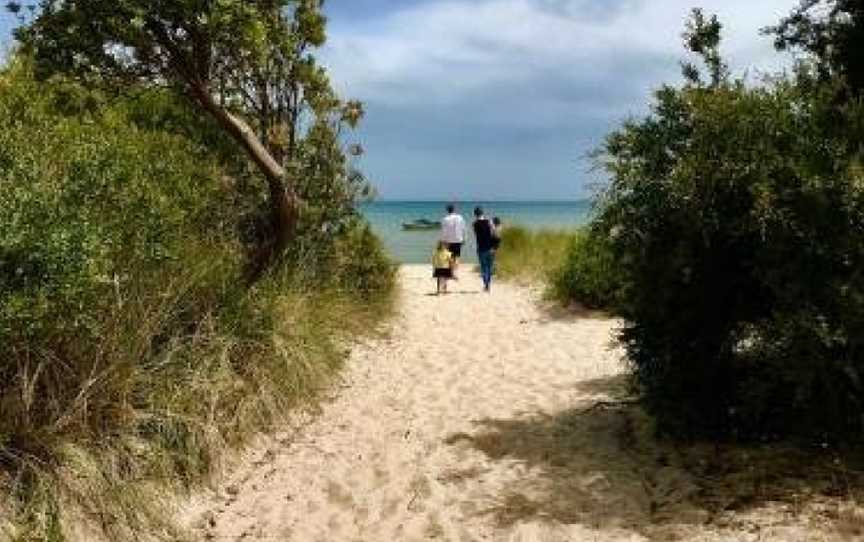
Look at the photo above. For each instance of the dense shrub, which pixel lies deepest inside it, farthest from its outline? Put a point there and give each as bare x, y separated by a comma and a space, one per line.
588, 272
576, 265
132, 351
735, 217
364, 267
86, 205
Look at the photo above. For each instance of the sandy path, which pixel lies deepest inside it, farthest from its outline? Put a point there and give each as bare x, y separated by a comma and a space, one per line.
468, 423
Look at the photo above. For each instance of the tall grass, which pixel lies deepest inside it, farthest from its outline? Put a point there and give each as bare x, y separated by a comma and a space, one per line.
133, 354
175, 383
528, 255
575, 265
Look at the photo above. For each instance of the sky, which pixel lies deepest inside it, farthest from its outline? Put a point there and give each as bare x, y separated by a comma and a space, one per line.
505, 99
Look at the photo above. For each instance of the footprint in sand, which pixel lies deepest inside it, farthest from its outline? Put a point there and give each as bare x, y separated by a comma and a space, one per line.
419, 490
382, 468
390, 509
339, 496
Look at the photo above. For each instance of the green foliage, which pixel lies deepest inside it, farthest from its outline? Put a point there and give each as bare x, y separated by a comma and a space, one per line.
132, 353
181, 40
530, 255
702, 37
735, 219
832, 31
327, 182
249, 65
588, 273
363, 263
576, 266
84, 202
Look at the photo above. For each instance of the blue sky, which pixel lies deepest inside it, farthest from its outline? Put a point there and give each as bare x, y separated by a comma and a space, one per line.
503, 99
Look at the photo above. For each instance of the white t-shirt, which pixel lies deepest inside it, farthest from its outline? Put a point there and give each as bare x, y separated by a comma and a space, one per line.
453, 229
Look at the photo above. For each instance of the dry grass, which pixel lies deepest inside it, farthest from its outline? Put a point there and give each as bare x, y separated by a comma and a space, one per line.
529, 256
102, 439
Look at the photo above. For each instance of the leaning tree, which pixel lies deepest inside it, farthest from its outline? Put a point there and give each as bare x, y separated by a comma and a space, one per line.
247, 63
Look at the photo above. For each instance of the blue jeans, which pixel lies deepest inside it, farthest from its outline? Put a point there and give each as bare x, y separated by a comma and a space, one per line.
487, 264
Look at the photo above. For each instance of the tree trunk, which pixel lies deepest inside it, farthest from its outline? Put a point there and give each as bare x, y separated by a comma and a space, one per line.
284, 202
284, 207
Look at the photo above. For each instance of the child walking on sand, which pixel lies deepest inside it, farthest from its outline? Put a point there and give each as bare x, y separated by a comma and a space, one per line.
442, 266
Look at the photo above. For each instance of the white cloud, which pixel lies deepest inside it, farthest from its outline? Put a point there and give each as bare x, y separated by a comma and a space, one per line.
438, 53
503, 98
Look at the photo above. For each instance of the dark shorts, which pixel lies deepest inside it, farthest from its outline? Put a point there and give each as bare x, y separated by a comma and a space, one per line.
455, 249
443, 273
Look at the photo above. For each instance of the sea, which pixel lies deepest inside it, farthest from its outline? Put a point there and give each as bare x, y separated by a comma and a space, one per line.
387, 217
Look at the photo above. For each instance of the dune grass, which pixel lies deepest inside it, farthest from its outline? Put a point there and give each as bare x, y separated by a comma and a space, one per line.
154, 415
134, 353
528, 255
573, 265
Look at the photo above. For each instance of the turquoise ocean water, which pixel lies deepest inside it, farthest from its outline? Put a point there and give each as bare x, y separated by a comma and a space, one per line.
387, 217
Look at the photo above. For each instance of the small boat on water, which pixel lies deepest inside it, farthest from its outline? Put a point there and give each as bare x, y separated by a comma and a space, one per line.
421, 224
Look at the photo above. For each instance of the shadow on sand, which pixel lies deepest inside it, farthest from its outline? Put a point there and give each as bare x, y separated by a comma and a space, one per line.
603, 468
555, 311
467, 292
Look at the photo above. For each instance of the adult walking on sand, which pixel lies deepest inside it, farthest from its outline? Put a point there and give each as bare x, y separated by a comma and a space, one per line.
453, 234
484, 232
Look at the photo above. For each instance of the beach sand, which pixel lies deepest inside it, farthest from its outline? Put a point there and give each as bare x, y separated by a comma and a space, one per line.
484, 417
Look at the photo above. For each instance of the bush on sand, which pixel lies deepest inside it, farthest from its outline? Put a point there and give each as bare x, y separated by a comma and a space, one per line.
574, 265
133, 353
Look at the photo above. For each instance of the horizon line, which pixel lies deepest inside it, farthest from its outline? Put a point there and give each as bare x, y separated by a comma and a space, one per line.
477, 200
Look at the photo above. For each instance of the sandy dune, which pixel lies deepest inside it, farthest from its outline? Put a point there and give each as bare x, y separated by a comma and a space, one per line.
471, 422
